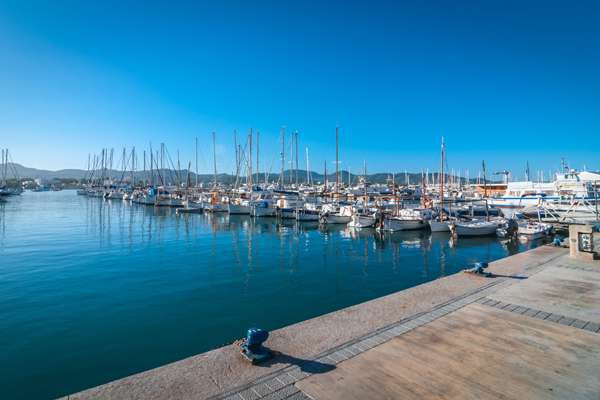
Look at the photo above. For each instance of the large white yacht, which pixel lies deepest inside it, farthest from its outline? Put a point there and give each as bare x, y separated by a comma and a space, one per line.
567, 186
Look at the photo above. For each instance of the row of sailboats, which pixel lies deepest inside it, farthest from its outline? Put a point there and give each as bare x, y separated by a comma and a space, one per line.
326, 204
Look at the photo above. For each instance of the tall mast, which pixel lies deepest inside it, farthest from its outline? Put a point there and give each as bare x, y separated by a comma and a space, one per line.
257, 159
250, 158
484, 179
442, 179
237, 159
215, 157
151, 166
337, 160
282, 176
325, 174
133, 162
307, 169
296, 169
196, 161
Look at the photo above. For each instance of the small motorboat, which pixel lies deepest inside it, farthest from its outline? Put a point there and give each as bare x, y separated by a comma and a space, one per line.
534, 230
474, 228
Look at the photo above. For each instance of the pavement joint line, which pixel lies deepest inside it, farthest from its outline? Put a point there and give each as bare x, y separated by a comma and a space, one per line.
551, 317
288, 376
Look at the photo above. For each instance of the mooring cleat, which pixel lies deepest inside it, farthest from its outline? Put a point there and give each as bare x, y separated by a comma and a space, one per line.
478, 268
252, 348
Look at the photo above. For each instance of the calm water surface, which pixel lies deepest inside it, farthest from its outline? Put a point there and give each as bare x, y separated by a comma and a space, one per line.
94, 290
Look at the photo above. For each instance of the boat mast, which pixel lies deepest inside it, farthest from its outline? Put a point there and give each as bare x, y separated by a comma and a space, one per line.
307, 169
296, 169
487, 213
257, 159
325, 174
249, 181
214, 157
442, 181
282, 176
196, 161
237, 160
337, 160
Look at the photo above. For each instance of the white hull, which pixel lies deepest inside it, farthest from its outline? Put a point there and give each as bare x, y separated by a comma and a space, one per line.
304, 216
336, 219
192, 205
399, 224
264, 212
215, 208
238, 209
476, 229
361, 221
534, 231
439, 226
287, 213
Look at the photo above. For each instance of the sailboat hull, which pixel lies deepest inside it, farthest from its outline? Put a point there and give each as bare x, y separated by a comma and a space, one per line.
238, 209
398, 224
439, 226
362, 221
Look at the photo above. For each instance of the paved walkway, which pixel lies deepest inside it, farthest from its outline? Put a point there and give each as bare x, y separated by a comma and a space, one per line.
536, 332
451, 338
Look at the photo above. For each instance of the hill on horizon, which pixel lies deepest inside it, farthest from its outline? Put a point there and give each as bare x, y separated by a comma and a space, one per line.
172, 176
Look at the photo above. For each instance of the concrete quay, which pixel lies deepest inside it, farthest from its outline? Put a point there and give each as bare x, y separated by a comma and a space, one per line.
531, 330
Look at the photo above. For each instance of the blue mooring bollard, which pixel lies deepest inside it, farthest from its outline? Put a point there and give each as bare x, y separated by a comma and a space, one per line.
253, 348
478, 268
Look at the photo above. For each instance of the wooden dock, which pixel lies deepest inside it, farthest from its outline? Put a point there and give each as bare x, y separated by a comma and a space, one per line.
536, 339
531, 330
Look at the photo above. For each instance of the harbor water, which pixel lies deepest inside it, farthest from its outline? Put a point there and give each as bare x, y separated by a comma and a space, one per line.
93, 290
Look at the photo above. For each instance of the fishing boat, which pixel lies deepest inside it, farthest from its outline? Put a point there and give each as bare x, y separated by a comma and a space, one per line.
474, 228
287, 213
239, 207
329, 214
362, 220
534, 230
263, 208
439, 225
191, 207
307, 213
287, 204
393, 224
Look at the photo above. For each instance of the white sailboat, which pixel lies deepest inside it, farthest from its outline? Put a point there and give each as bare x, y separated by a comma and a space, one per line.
441, 223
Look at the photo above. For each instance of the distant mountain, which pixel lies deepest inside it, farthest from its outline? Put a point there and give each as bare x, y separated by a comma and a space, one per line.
171, 177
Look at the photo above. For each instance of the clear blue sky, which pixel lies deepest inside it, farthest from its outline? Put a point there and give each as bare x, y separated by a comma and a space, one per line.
504, 81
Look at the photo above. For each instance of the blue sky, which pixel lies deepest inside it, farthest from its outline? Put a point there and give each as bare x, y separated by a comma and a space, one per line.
504, 81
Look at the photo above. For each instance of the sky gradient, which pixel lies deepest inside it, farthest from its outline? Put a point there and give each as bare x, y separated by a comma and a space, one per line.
504, 81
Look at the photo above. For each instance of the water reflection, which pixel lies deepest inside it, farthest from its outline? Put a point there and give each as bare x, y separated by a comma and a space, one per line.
129, 277
115, 222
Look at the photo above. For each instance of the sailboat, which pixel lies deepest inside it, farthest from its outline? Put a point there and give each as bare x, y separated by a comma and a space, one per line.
440, 223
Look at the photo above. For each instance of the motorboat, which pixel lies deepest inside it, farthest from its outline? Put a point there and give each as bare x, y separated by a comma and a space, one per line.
474, 228
534, 230
362, 221
240, 207
437, 225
